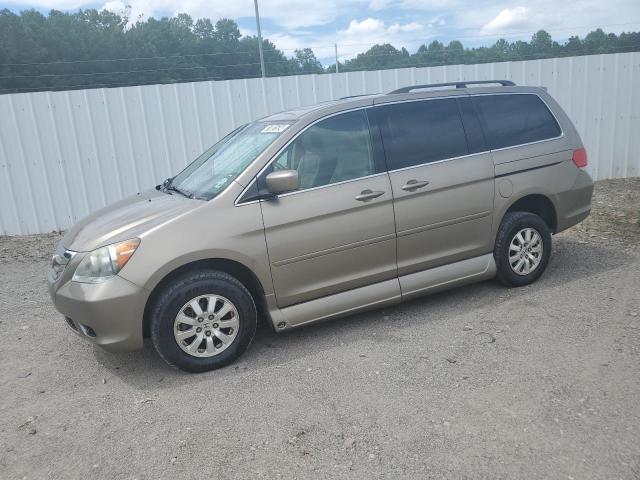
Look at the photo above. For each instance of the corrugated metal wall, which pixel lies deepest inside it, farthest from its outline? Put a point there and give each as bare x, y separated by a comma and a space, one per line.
65, 154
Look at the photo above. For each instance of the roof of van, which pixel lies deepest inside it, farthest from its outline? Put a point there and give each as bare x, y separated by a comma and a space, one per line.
300, 112
405, 93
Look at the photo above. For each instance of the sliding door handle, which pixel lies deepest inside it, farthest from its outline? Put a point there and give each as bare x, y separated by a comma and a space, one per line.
413, 185
367, 195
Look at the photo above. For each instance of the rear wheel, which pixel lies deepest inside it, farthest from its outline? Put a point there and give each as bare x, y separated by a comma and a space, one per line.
203, 321
523, 248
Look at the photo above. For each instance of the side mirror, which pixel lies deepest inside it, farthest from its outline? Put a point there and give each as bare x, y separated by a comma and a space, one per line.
282, 181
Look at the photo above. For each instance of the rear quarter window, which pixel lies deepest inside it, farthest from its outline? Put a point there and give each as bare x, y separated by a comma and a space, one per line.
515, 119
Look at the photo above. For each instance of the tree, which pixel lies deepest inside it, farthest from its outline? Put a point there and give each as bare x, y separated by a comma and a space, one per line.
227, 32
307, 61
204, 30
541, 42
68, 50
596, 41
379, 56
573, 46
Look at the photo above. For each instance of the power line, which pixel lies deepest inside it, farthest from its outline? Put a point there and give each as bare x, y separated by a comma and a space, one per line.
133, 83
105, 85
195, 67
124, 59
233, 65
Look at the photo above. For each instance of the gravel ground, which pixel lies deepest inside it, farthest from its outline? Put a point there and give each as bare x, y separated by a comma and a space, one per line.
478, 382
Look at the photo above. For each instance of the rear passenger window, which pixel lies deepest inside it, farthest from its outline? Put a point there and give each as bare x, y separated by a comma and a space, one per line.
515, 119
421, 132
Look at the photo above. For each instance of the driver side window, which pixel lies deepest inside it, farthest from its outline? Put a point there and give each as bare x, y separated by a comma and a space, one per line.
333, 150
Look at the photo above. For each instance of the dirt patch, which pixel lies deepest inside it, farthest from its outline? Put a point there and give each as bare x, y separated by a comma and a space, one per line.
615, 212
28, 248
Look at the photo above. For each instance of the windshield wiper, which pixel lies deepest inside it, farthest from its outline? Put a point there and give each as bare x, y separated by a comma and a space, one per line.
168, 186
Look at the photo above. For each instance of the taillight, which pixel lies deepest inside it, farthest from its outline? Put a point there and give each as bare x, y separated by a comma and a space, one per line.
580, 157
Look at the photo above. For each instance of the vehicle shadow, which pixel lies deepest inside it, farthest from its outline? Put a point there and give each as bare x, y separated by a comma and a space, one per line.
572, 260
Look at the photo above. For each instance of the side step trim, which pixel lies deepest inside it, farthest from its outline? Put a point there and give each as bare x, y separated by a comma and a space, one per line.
343, 303
384, 293
447, 276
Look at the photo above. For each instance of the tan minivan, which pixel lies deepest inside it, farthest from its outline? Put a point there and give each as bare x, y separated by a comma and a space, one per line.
324, 211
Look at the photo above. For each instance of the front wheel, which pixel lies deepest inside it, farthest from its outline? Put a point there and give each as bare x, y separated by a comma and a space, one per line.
522, 250
202, 321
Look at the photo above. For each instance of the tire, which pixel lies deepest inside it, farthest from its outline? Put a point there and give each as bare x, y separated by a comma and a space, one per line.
227, 334
512, 273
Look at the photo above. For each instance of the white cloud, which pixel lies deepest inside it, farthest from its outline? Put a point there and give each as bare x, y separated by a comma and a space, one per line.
408, 27
365, 26
360, 35
285, 42
290, 14
489, 20
508, 19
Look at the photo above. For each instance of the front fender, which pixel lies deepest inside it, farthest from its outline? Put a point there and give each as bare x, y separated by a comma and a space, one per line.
218, 230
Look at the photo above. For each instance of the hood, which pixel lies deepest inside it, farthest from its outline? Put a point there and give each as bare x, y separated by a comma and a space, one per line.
126, 219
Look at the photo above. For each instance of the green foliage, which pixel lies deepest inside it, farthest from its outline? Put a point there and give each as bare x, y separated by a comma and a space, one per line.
540, 46
308, 61
91, 48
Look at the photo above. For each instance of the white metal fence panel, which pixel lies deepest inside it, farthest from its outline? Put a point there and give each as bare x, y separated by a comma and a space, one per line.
63, 155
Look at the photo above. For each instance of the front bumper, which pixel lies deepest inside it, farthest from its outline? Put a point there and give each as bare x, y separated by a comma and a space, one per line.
109, 314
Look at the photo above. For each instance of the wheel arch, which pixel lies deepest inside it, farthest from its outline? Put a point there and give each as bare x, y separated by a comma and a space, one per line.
538, 204
232, 267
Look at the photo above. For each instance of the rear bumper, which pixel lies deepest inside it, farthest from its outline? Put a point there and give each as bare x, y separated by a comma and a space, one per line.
109, 314
575, 203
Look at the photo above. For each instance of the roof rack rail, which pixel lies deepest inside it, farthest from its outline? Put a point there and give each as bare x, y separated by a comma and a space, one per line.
504, 83
355, 96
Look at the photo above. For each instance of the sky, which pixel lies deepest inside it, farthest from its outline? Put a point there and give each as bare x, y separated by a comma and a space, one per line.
355, 25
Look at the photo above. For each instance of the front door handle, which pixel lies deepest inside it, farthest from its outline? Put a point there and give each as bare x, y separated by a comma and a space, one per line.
367, 195
413, 185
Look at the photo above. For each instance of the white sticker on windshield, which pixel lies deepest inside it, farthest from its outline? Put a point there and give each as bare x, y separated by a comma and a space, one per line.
275, 128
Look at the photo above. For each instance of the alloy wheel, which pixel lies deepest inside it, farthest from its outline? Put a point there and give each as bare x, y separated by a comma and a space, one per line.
206, 325
525, 251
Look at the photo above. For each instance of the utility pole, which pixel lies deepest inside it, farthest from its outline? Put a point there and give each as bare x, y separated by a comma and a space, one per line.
335, 46
255, 4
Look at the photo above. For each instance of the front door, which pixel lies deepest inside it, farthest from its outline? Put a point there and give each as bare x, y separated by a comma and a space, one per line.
442, 180
336, 232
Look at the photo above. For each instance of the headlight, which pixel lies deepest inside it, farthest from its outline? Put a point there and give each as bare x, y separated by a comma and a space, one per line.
105, 262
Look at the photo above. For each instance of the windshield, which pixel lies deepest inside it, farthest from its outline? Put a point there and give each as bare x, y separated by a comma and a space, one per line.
212, 171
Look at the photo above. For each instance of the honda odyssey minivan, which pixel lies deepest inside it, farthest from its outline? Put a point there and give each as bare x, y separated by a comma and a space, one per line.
324, 211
